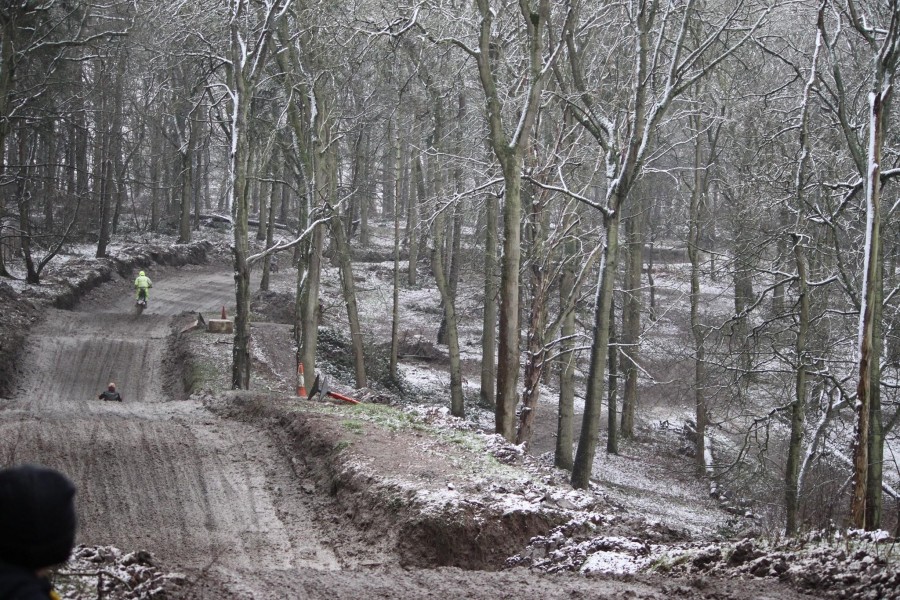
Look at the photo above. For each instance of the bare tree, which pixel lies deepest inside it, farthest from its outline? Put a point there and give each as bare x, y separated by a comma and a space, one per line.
533, 21
663, 66
884, 43
251, 29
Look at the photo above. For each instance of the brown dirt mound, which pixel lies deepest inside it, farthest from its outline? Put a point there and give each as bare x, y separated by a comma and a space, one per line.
392, 492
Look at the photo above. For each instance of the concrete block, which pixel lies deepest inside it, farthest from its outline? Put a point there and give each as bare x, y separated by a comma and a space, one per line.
220, 326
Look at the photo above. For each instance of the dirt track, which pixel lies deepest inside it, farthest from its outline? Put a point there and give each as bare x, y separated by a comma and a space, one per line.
164, 476
209, 496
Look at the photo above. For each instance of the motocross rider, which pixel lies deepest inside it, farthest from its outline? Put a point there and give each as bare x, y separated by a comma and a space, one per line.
142, 284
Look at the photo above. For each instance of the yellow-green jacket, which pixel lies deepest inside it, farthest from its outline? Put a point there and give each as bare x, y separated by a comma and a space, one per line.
142, 283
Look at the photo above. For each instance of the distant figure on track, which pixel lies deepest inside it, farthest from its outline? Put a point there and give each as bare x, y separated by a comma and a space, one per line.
142, 284
37, 530
110, 394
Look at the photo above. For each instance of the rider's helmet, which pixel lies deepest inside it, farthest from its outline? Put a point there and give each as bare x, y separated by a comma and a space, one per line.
141, 274
111, 387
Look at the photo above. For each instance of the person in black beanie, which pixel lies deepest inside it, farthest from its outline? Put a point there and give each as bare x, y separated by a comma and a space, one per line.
37, 529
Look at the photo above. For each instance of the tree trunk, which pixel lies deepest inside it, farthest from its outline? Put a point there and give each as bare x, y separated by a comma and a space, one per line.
454, 251
200, 177
50, 180
510, 153
270, 235
187, 183
487, 391
393, 172
798, 406
874, 481
651, 283
23, 197
537, 323
694, 235
631, 316
416, 195
244, 70
868, 346
365, 197
590, 423
309, 305
508, 336
156, 146
8, 55
348, 289
562, 457
102, 171
612, 434
390, 167
457, 408
240, 369
116, 173
263, 171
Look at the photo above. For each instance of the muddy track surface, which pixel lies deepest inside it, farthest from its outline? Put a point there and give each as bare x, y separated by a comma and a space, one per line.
154, 473
208, 496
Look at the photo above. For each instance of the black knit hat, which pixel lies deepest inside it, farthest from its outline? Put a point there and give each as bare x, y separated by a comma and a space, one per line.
37, 517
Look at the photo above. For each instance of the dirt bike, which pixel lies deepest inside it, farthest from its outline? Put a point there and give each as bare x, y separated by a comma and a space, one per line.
141, 302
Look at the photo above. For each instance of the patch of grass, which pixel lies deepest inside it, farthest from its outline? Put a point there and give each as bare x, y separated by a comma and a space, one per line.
387, 417
199, 375
477, 458
472, 457
354, 426
466, 441
667, 562
342, 445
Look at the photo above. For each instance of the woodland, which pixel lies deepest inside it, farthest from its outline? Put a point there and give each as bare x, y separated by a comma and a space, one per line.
553, 153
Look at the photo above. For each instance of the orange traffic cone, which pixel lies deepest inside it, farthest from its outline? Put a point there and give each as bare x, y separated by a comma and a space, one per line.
301, 385
223, 313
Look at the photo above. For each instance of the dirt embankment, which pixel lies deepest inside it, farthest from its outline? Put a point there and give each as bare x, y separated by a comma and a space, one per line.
418, 505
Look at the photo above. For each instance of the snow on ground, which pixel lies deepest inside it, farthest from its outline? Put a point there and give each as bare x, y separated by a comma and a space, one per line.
656, 490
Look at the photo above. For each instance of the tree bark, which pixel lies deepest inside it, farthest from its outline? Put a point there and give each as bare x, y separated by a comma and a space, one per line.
393, 174
102, 170
697, 332
875, 480
798, 406
457, 408
270, 235
510, 154
590, 423
537, 323
562, 457
348, 289
243, 71
631, 316
487, 392
868, 345
612, 433
366, 191
416, 195
239, 165
187, 181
